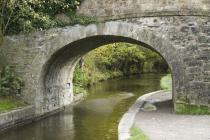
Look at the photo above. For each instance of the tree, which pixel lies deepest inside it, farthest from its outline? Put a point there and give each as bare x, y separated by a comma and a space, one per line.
8, 14
28, 15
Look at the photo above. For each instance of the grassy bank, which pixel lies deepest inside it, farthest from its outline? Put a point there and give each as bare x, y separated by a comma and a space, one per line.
166, 82
185, 108
10, 103
137, 134
85, 78
10, 87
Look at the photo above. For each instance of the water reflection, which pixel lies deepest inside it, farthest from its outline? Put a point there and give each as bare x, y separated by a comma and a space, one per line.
94, 119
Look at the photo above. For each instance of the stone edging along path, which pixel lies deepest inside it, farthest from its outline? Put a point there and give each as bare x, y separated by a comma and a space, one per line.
127, 120
16, 117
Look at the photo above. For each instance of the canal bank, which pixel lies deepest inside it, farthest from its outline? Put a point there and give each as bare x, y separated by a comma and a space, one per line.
165, 124
154, 116
16, 117
26, 114
128, 119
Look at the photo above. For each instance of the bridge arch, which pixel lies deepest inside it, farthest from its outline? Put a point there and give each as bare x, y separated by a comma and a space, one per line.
56, 76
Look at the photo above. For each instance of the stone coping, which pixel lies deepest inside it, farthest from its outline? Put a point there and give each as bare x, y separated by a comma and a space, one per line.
16, 117
26, 114
127, 120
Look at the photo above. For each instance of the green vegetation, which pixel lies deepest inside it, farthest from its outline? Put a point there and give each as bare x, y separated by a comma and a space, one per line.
166, 82
10, 87
31, 15
184, 108
115, 60
10, 103
137, 134
79, 81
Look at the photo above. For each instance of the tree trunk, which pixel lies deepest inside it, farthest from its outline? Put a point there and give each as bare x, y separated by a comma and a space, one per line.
81, 63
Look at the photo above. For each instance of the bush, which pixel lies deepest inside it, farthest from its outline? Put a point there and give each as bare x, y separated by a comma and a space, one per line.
79, 80
30, 15
166, 82
9, 83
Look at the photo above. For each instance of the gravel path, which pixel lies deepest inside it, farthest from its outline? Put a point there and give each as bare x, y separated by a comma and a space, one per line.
164, 124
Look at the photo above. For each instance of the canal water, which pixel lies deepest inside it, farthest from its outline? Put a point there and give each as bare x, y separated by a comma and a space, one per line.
96, 118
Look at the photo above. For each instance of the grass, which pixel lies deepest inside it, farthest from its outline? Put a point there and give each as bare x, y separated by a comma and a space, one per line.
79, 89
183, 108
166, 82
137, 134
10, 103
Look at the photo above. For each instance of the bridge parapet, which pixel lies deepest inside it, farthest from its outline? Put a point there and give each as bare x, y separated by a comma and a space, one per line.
119, 9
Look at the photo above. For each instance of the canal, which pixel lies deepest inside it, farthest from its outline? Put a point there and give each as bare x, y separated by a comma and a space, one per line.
96, 118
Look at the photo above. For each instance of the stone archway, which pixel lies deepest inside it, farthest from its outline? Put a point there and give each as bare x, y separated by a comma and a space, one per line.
57, 72
44, 59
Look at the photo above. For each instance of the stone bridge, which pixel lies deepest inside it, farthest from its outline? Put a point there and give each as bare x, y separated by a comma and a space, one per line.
179, 30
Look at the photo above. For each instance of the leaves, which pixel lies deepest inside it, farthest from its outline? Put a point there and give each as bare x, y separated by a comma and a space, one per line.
114, 60
29, 15
9, 83
117, 56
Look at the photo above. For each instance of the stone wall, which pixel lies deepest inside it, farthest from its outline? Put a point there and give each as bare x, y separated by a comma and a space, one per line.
16, 117
46, 60
118, 9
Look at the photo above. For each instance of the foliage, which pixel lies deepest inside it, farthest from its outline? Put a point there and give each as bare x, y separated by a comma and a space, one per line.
53, 6
9, 83
115, 60
77, 19
79, 81
119, 56
137, 134
9, 103
30, 15
166, 82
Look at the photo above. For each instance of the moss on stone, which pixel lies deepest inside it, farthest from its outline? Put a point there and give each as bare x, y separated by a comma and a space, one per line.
184, 108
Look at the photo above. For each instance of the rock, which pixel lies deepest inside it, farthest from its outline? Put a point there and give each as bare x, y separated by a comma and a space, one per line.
149, 107
62, 18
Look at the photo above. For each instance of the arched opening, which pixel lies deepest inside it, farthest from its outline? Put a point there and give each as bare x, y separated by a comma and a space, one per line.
118, 60
57, 85
127, 72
